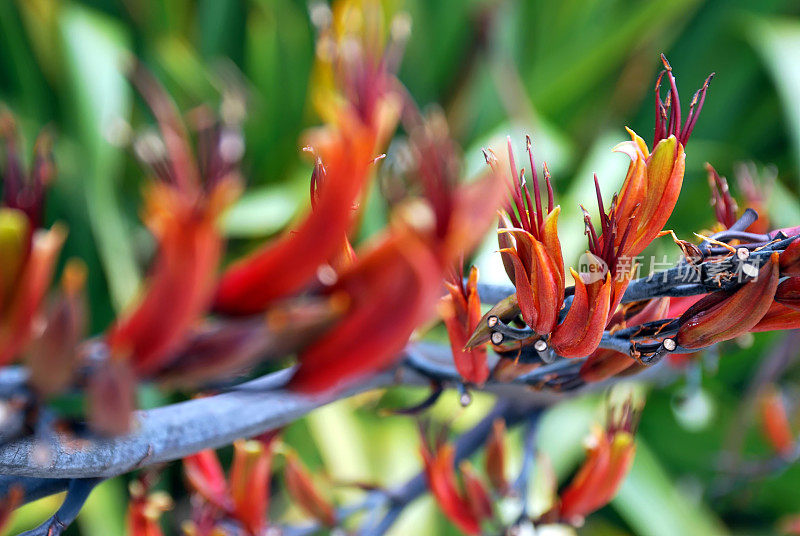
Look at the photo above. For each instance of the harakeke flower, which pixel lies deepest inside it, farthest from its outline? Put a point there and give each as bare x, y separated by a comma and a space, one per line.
393, 286
181, 211
466, 509
358, 98
532, 254
28, 253
244, 496
529, 245
461, 311
655, 176
609, 456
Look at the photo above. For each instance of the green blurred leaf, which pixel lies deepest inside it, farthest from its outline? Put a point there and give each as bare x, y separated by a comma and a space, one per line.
260, 212
104, 511
654, 506
95, 48
778, 42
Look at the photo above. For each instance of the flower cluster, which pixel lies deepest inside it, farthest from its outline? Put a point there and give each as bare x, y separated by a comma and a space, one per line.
471, 506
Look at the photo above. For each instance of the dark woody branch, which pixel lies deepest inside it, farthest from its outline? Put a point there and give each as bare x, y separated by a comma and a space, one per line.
172, 432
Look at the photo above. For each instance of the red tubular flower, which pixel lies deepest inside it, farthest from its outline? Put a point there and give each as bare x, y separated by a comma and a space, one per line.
530, 248
532, 254
206, 478
724, 315
440, 474
580, 332
357, 96
475, 492
461, 312
609, 457
603, 363
393, 286
775, 422
654, 178
28, 265
244, 496
28, 254
181, 211
249, 483
287, 265
305, 493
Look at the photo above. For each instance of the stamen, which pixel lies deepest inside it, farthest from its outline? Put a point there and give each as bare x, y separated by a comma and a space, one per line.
627, 231
529, 203
550, 197
535, 179
590, 232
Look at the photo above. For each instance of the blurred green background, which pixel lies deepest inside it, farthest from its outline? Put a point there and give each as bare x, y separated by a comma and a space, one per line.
571, 73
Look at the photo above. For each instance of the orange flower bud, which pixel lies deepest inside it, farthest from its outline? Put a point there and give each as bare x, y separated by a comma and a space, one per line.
610, 455
775, 422
250, 474
461, 312
440, 475
496, 457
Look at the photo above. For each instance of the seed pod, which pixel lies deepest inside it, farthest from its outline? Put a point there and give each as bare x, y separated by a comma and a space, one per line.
721, 316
